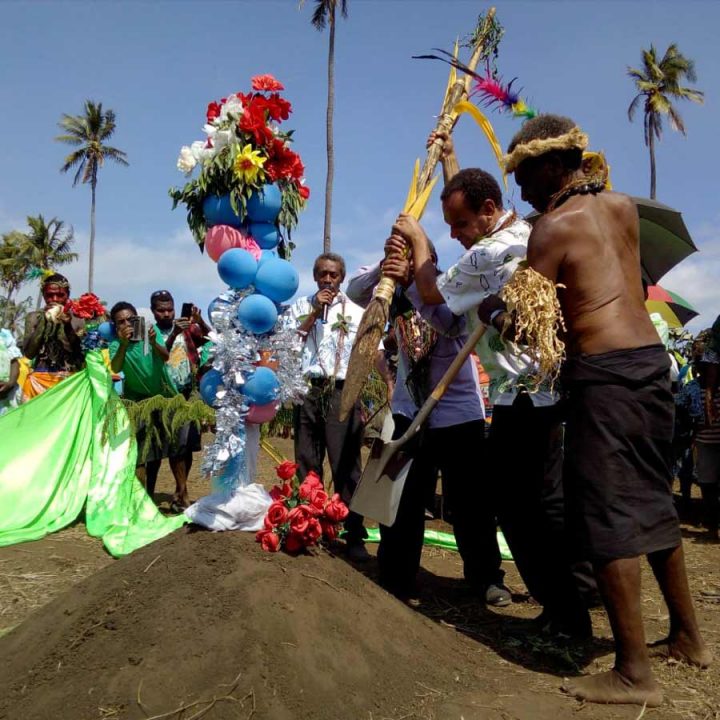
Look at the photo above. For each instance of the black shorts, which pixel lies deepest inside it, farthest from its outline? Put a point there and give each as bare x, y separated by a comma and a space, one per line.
618, 454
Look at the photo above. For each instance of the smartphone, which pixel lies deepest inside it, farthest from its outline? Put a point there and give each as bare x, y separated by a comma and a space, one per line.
138, 326
186, 311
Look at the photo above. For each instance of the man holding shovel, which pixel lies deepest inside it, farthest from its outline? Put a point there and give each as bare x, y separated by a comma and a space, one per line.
525, 444
429, 337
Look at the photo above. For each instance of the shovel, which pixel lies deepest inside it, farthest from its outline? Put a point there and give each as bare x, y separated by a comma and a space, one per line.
378, 492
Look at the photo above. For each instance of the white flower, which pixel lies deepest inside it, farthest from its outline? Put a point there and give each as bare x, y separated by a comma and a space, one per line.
200, 152
186, 160
233, 107
220, 138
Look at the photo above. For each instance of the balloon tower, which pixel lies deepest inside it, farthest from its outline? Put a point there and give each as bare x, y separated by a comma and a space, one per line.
241, 208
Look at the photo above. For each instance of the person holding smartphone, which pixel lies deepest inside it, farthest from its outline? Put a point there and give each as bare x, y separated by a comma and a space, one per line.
183, 337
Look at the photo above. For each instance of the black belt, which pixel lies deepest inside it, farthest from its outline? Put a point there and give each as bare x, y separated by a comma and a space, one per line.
325, 381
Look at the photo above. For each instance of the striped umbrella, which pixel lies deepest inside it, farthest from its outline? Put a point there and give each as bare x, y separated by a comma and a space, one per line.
675, 310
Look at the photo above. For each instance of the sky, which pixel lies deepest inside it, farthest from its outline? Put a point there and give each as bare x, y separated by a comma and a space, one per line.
158, 64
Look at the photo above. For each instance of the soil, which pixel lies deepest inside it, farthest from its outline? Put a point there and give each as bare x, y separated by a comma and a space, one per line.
207, 625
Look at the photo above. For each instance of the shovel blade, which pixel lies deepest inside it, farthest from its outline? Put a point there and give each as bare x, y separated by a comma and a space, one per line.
378, 493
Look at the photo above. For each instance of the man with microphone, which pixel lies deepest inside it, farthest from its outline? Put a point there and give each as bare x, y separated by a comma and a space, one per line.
328, 322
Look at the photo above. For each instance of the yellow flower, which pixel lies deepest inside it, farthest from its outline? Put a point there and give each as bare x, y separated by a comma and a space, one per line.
248, 165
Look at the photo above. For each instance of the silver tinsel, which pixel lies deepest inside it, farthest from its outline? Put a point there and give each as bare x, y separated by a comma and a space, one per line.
236, 351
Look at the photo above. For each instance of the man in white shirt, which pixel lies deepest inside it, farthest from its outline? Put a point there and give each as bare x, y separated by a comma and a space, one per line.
525, 441
329, 320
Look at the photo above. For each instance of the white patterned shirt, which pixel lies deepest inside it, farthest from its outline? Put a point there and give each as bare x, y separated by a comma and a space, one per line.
481, 271
326, 352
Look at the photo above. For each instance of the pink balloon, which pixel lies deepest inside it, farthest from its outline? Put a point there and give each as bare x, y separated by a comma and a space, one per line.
259, 414
220, 238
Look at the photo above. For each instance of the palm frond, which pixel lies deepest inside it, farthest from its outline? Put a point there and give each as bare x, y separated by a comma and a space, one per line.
633, 106
320, 15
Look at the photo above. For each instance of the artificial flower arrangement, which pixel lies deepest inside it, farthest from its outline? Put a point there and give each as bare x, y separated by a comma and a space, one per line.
245, 154
301, 514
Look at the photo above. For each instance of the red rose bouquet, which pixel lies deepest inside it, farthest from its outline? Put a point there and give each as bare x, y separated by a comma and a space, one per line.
301, 514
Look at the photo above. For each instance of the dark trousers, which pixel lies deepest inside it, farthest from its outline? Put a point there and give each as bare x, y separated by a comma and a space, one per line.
318, 430
526, 449
456, 450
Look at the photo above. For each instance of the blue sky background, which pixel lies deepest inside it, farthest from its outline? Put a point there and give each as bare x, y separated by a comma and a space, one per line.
158, 64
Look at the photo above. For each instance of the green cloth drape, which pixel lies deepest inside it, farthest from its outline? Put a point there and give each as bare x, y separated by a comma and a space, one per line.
59, 454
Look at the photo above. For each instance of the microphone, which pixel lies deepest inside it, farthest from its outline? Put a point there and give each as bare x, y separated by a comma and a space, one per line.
325, 313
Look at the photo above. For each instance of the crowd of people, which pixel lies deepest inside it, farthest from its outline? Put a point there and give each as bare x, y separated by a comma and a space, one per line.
578, 474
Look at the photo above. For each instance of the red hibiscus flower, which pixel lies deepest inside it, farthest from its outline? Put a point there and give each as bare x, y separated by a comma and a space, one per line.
280, 492
87, 306
269, 541
266, 83
336, 510
213, 111
294, 543
277, 513
277, 108
286, 470
253, 123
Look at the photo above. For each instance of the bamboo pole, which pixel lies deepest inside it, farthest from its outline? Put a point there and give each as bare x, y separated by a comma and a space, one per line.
376, 314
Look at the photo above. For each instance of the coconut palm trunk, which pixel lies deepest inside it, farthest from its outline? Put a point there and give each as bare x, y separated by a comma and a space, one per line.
329, 133
651, 148
91, 249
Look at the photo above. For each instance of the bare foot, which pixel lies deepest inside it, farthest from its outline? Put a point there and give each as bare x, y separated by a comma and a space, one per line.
611, 687
682, 650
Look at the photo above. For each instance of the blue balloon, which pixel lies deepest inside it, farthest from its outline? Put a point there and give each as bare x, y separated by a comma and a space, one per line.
266, 255
237, 268
210, 383
277, 279
218, 211
261, 387
264, 205
265, 234
107, 331
257, 314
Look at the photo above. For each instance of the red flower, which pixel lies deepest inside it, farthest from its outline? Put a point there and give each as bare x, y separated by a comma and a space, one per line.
305, 490
277, 108
294, 543
286, 469
318, 499
299, 518
313, 479
266, 82
313, 532
253, 122
329, 529
336, 510
87, 306
304, 191
280, 492
213, 111
269, 541
277, 513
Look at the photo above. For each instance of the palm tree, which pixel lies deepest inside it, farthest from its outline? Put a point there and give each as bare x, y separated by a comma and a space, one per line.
658, 84
15, 263
88, 132
48, 245
323, 16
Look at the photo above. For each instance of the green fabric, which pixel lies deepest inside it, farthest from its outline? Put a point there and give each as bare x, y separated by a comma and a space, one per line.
444, 540
145, 375
59, 454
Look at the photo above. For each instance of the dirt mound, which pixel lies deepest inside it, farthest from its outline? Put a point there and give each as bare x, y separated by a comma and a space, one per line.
200, 615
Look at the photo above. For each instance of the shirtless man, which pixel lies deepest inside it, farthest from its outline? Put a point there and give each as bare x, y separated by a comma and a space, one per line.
620, 414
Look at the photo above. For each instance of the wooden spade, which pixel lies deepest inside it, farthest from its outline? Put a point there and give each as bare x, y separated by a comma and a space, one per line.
378, 493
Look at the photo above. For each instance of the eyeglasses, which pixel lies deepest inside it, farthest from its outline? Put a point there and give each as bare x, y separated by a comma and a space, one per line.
161, 294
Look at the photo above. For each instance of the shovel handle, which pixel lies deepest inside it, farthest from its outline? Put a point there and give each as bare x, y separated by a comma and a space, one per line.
442, 386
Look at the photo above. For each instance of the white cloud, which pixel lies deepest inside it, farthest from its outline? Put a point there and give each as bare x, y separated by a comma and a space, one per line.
697, 278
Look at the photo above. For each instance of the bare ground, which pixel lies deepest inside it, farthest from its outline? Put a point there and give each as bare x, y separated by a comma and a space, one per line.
167, 631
